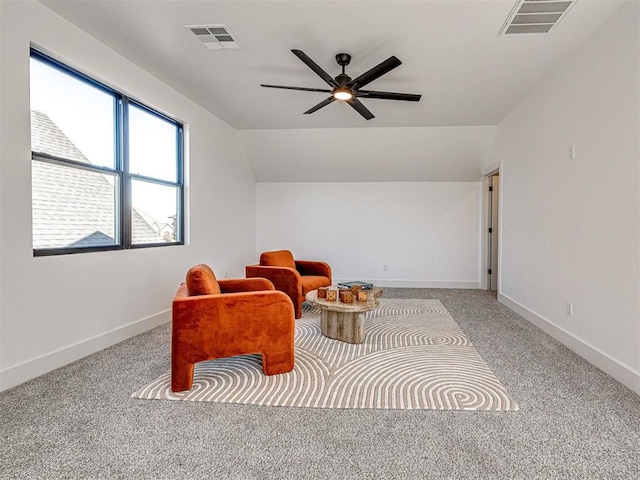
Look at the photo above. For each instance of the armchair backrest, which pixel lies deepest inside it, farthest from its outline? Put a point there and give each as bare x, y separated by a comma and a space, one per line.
278, 258
202, 281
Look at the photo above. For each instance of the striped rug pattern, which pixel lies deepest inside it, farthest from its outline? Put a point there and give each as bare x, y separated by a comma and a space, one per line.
414, 357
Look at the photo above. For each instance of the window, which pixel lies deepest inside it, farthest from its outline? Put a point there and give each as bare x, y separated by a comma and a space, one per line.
107, 171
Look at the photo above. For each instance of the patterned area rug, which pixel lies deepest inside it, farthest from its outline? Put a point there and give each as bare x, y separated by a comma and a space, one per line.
414, 357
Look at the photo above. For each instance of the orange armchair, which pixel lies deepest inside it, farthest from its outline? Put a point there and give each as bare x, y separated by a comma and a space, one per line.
222, 318
296, 278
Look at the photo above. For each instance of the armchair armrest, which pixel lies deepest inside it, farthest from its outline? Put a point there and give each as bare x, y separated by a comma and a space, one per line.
284, 279
206, 327
211, 313
233, 285
310, 267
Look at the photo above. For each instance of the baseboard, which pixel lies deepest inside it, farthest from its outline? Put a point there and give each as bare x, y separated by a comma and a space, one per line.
622, 373
415, 283
30, 369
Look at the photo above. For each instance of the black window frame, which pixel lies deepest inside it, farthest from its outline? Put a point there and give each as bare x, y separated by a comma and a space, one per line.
123, 206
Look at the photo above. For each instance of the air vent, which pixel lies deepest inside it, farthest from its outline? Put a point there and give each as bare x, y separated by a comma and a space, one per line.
215, 37
533, 17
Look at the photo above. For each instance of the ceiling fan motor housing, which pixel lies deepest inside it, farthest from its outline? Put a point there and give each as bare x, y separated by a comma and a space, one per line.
343, 79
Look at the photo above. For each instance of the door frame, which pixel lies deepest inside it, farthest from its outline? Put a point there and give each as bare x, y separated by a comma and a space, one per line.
485, 245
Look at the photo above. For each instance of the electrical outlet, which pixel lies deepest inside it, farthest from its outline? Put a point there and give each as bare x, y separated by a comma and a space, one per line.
226, 274
572, 152
570, 309
385, 268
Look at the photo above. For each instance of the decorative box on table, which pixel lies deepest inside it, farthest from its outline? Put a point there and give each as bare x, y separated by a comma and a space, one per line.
357, 285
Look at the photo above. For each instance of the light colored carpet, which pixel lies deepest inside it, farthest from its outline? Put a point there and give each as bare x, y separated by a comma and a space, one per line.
414, 357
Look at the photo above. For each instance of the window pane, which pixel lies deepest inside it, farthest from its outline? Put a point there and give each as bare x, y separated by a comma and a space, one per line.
72, 207
152, 145
153, 217
70, 118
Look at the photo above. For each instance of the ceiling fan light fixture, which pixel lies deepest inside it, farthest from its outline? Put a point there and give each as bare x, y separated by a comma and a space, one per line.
342, 94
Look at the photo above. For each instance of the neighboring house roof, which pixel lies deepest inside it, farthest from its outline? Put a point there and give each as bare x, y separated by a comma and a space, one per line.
96, 238
73, 207
46, 137
158, 225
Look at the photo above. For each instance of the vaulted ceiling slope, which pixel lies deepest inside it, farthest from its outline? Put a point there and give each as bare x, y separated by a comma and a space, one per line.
416, 154
450, 49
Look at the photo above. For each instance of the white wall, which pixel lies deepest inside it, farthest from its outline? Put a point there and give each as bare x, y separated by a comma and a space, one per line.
573, 225
54, 310
427, 233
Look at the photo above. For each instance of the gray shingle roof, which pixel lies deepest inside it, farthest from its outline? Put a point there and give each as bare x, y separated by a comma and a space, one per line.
46, 137
73, 207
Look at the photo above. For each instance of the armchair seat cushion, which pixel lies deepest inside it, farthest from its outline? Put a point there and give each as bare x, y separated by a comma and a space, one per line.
312, 282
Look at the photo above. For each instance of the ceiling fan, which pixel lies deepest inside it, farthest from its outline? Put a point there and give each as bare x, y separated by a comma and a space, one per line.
348, 89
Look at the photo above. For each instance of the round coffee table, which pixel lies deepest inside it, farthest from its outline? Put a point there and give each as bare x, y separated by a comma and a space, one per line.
344, 321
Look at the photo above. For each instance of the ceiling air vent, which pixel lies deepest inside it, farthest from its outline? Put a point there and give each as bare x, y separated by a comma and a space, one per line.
215, 37
531, 17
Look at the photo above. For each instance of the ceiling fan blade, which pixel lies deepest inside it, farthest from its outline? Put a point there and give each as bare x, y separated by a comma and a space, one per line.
323, 103
409, 97
360, 108
315, 67
376, 72
304, 89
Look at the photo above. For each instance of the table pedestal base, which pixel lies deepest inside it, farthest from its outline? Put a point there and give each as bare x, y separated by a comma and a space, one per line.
343, 326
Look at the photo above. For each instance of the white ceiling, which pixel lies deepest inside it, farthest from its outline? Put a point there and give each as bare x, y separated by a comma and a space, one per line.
451, 54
